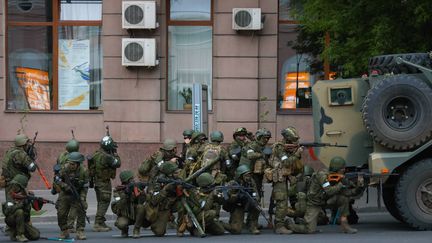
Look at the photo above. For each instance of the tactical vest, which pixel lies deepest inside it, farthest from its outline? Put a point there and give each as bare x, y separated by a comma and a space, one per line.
11, 165
102, 162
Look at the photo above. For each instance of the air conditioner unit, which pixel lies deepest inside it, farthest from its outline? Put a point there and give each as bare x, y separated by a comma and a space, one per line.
139, 52
139, 15
247, 19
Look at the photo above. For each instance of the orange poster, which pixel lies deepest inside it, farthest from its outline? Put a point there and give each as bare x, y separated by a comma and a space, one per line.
35, 84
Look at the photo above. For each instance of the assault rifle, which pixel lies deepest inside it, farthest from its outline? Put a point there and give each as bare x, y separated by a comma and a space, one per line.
133, 187
37, 202
313, 144
76, 196
32, 153
181, 183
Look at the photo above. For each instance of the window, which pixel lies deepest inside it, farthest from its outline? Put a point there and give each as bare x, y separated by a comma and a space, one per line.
189, 50
295, 80
54, 55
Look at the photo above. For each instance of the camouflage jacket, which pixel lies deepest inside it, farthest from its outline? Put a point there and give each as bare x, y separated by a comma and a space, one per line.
162, 196
16, 161
320, 189
79, 179
149, 167
252, 155
103, 167
61, 160
236, 144
126, 199
220, 166
193, 156
284, 163
14, 203
201, 201
236, 197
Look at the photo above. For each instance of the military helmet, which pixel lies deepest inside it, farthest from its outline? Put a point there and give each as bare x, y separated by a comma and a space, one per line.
196, 136
188, 133
21, 139
21, 180
308, 171
241, 170
217, 136
290, 134
336, 163
126, 175
169, 144
240, 131
107, 143
168, 168
205, 179
76, 157
262, 133
72, 146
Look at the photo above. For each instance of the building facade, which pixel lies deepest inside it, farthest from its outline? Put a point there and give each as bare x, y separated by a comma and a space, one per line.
62, 70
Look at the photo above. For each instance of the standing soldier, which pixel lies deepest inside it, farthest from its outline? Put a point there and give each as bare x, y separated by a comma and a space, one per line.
254, 157
17, 161
127, 198
193, 153
150, 166
187, 136
103, 165
17, 211
237, 203
235, 149
285, 165
72, 182
323, 192
222, 163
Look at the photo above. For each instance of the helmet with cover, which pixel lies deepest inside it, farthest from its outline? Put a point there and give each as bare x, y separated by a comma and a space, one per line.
290, 134
217, 136
76, 157
169, 144
168, 168
20, 180
126, 175
205, 180
72, 146
241, 170
336, 163
21, 139
188, 133
308, 171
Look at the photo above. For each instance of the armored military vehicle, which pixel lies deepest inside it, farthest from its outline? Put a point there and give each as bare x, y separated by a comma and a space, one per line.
386, 121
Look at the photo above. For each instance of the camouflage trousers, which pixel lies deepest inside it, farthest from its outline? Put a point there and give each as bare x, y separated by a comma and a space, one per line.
236, 220
122, 223
299, 210
103, 196
210, 223
159, 226
19, 224
338, 202
280, 197
73, 215
65, 204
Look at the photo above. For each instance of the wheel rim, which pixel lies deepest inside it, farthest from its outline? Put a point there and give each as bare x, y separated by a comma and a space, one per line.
424, 196
400, 113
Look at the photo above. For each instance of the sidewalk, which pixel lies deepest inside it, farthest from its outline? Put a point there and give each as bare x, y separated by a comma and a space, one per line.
50, 213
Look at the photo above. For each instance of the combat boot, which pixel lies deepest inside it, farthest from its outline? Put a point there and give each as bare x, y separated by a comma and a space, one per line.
64, 234
254, 230
21, 238
282, 230
136, 232
80, 235
346, 228
101, 228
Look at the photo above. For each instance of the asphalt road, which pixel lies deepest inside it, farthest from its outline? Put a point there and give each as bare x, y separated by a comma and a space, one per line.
373, 227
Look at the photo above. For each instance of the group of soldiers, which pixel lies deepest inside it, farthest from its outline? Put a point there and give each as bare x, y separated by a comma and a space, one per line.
188, 189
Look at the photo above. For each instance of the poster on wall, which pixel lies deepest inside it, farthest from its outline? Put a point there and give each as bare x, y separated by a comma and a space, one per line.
35, 84
74, 74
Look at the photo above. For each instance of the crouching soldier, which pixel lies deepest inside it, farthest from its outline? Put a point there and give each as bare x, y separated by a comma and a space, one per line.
323, 193
205, 206
127, 197
72, 184
17, 211
238, 204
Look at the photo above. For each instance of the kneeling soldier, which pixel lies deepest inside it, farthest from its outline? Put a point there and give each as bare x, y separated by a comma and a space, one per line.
127, 198
17, 211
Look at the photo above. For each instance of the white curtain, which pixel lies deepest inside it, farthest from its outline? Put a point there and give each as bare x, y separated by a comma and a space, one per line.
81, 10
190, 61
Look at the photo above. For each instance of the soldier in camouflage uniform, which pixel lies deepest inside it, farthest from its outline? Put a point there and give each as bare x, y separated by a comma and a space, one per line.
323, 193
205, 204
17, 211
163, 198
254, 157
72, 176
194, 153
238, 204
285, 165
17, 161
222, 163
150, 166
234, 150
128, 197
71, 146
187, 136
102, 166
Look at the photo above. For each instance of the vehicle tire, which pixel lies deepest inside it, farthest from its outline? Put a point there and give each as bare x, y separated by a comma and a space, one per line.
390, 204
414, 195
387, 63
397, 112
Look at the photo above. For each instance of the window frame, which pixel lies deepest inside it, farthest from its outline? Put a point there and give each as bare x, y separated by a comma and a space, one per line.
54, 24
282, 111
185, 23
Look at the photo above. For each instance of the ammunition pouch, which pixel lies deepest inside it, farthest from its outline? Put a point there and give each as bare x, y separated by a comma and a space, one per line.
268, 174
259, 166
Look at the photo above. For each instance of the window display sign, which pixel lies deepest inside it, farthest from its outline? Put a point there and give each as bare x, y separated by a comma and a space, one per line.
35, 84
74, 74
289, 96
200, 108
